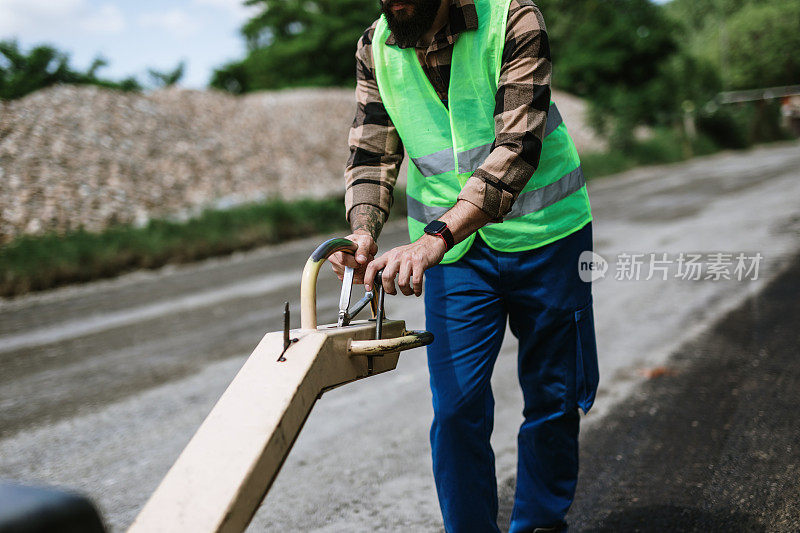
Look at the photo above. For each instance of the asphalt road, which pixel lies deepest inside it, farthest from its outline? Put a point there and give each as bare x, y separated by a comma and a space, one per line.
714, 443
102, 385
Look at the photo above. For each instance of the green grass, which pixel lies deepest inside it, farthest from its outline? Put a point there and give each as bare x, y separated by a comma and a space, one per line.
42, 262
35, 263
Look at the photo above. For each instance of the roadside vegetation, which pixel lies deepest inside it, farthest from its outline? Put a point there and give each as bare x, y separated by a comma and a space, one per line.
663, 146
42, 262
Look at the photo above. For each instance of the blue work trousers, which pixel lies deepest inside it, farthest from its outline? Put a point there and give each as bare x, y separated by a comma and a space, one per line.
549, 310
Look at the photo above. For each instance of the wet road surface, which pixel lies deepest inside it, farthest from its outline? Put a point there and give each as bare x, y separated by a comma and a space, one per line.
102, 385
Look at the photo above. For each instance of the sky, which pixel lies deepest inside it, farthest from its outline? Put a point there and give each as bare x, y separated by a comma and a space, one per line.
133, 35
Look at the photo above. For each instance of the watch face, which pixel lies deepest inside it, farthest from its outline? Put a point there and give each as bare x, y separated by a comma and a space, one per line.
435, 227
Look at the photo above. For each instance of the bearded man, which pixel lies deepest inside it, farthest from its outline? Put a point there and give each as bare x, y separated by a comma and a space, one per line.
498, 216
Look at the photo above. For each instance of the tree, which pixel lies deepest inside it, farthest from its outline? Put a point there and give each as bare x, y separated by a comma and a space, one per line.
298, 43
616, 53
22, 73
742, 38
750, 44
704, 15
169, 77
764, 40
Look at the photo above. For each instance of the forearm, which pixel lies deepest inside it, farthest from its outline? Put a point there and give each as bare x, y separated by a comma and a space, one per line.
464, 219
367, 219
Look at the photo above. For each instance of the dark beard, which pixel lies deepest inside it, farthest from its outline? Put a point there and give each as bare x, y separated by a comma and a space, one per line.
409, 30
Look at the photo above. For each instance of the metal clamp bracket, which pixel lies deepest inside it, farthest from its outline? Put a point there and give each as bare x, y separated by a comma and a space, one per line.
346, 313
308, 305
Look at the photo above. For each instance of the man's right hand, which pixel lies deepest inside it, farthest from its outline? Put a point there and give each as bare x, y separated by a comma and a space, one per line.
367, 248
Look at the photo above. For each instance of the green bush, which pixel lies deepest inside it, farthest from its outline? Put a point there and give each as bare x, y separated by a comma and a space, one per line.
663, 147
704, 145
725, 127
597, 164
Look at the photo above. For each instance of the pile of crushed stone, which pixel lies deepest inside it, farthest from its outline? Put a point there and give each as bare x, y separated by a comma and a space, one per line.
83, 156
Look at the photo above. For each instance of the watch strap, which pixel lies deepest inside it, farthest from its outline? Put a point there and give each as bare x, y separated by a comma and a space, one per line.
440, 229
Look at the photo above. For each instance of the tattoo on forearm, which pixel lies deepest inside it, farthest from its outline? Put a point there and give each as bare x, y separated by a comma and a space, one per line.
367, 218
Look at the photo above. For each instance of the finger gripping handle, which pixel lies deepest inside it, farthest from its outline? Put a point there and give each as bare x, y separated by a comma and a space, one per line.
308, 285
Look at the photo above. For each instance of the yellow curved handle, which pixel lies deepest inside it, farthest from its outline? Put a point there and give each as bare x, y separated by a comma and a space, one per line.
409, 340
308, 285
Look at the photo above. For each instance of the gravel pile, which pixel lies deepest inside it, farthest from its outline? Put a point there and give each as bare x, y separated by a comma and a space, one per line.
575, 112
88, 157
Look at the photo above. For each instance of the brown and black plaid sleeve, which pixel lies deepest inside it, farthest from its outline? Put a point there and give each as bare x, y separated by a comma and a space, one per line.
521, 104
375, 148
520, 115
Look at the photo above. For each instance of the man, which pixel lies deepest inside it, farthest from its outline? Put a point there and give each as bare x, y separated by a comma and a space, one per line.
498, 216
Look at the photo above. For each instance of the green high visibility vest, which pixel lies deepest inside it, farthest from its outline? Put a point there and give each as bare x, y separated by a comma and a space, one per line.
447, 144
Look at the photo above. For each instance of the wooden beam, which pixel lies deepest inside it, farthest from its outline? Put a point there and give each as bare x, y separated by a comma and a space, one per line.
223, 474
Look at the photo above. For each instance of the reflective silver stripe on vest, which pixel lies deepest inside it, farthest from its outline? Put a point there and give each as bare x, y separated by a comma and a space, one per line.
538, 199
526, 203
435, 163
554, 120
423, 213
470, 160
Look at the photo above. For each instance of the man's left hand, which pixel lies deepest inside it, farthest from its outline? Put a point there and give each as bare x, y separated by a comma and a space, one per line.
408, 263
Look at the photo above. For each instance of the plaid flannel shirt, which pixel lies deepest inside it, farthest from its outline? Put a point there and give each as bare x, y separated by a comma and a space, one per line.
521, 104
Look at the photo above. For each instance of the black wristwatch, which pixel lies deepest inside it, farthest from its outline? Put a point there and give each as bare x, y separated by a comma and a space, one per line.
440, 229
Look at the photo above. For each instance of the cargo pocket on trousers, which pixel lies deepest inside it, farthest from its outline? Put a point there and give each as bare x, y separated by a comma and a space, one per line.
587, 374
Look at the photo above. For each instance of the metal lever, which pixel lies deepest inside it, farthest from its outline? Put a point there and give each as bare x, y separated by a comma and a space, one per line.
379, 313
308, 286
344, 298
359, 305
346, 313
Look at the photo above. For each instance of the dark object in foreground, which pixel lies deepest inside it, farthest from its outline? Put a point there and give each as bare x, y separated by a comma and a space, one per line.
26, 509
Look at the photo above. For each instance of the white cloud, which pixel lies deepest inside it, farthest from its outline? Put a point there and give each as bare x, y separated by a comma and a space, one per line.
42, 7
18, 16
22, 17
175, 21
108, 19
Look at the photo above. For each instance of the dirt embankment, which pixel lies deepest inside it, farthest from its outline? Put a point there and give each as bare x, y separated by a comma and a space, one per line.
87, 157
